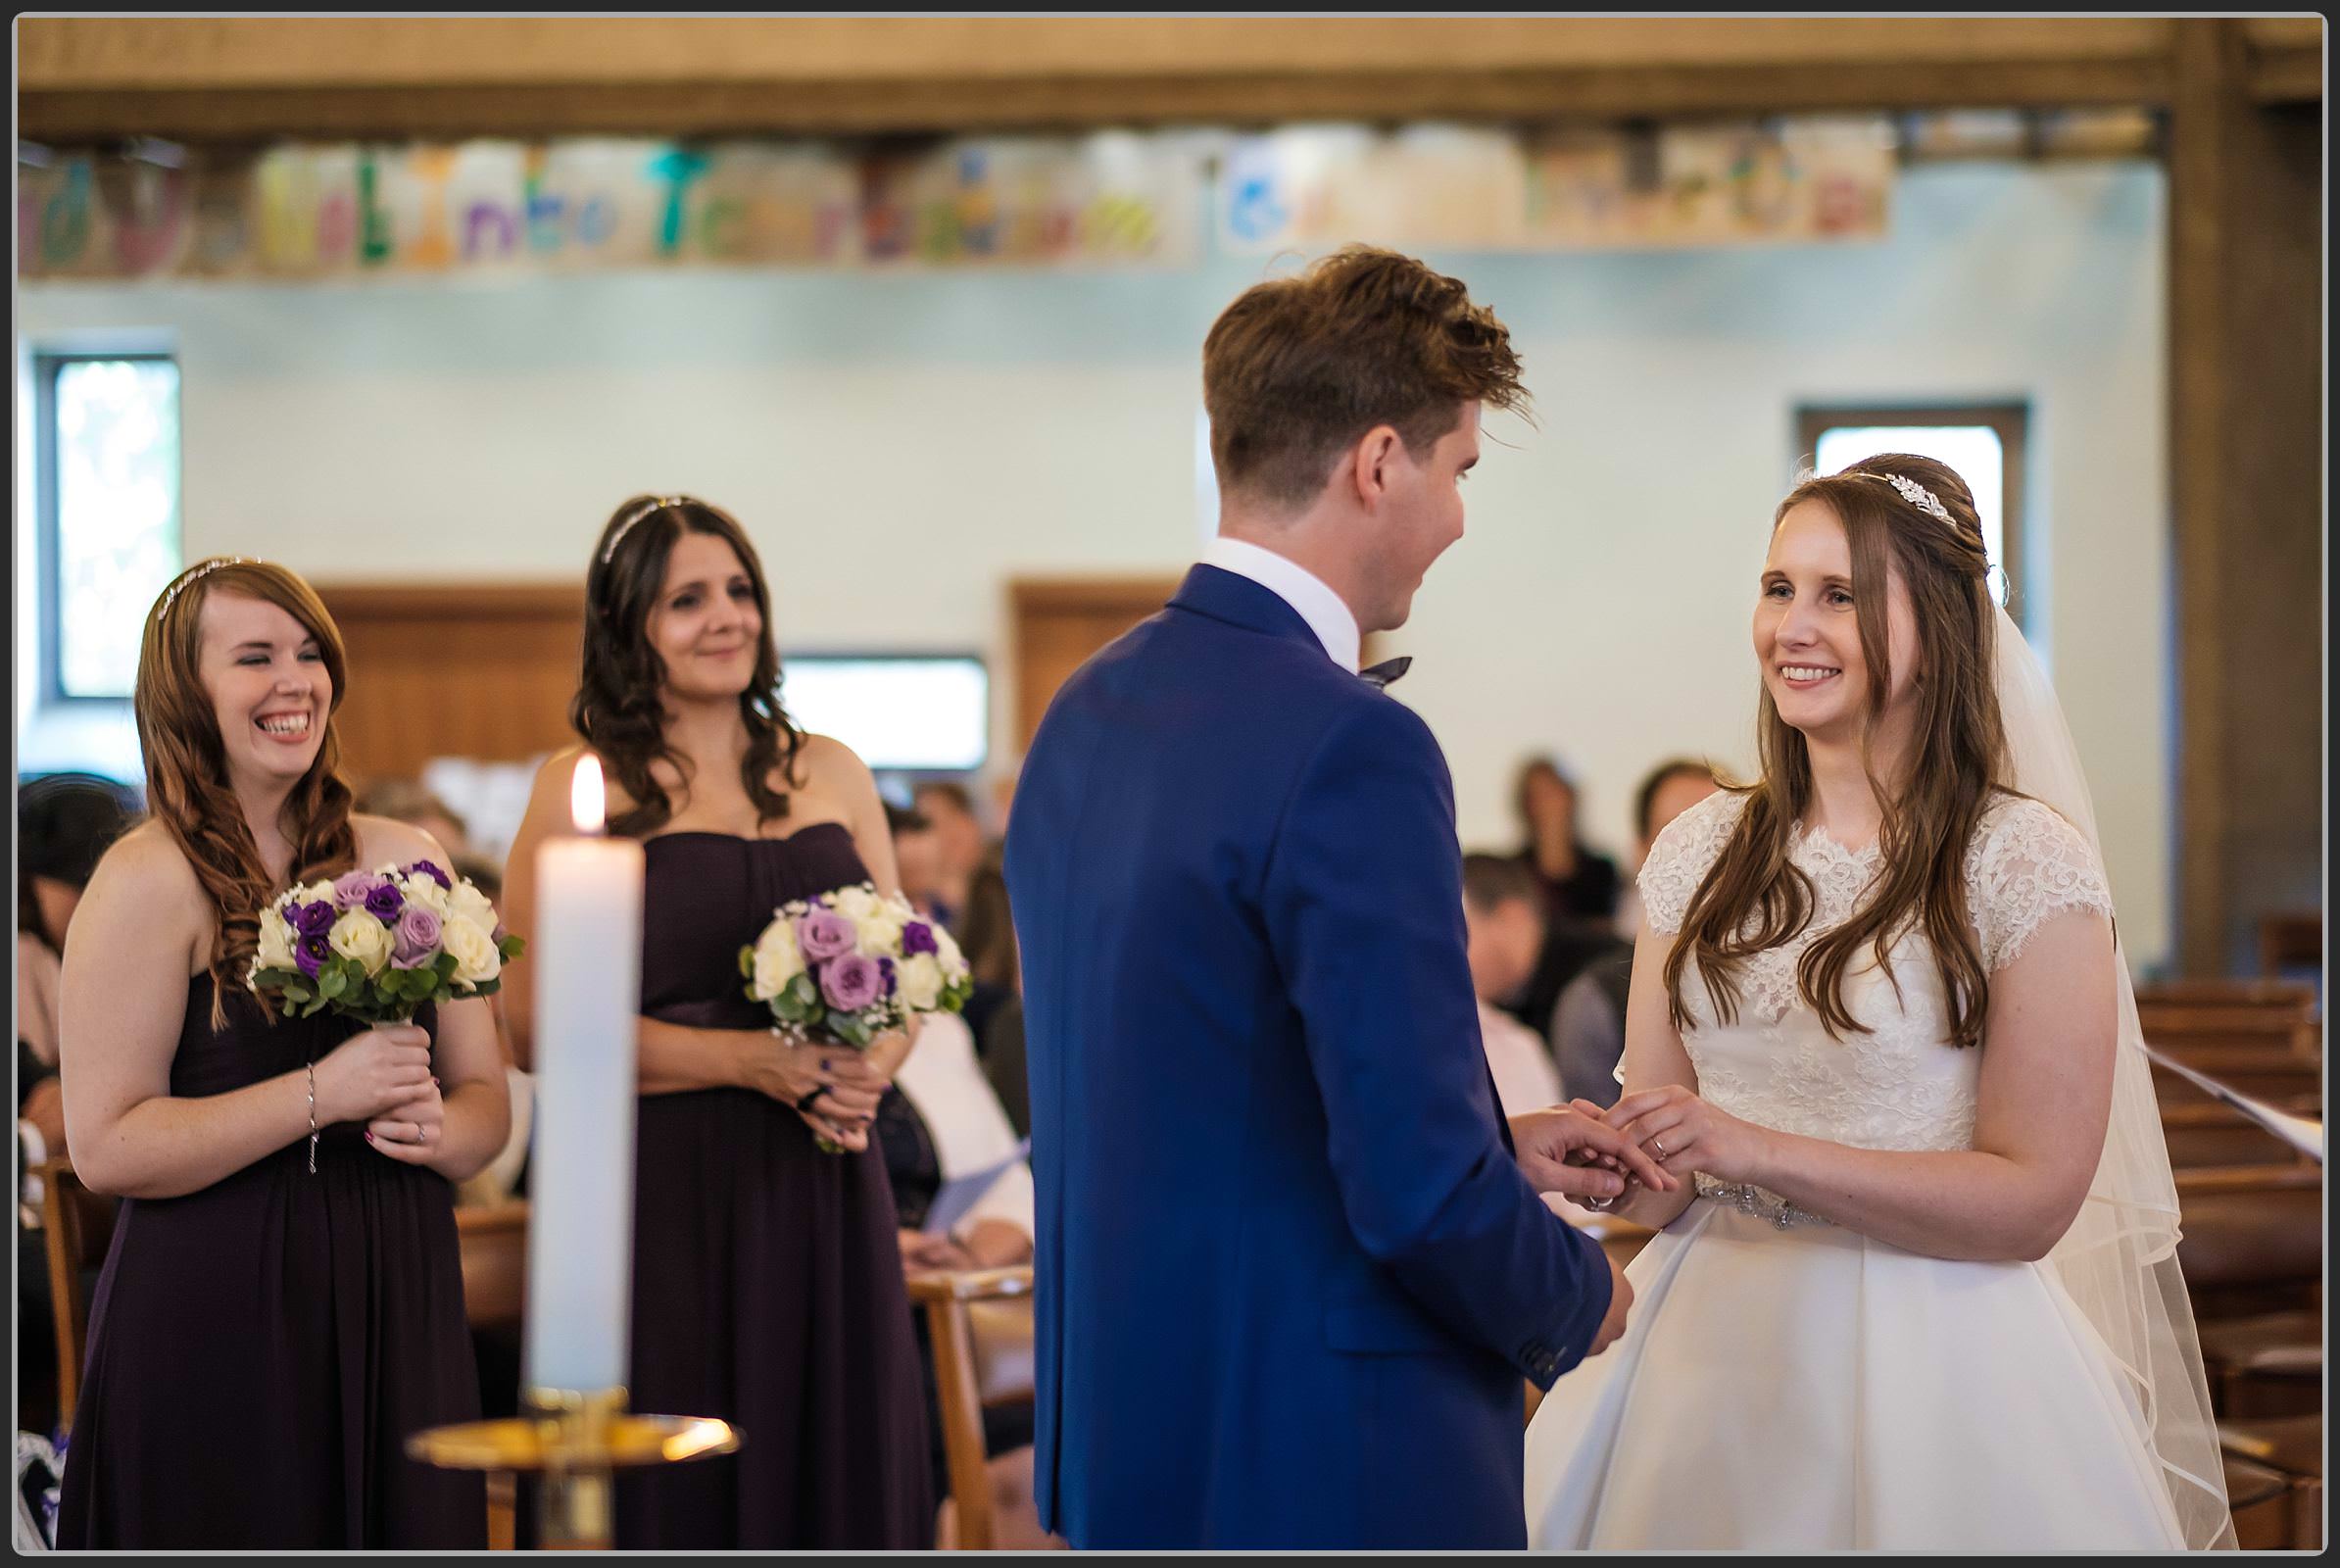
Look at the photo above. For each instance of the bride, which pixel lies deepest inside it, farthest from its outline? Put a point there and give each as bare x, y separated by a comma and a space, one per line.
1921, 1290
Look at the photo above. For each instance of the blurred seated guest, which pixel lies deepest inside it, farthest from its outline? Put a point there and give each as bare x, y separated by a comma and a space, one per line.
1579, 886
1588, 1021
1667, 791
942, 1124
996, 1010
65, 823
917, 857
1003, 792
1504, 917
959, 845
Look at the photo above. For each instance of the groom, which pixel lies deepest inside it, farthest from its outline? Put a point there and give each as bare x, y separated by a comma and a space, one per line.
1290, 1273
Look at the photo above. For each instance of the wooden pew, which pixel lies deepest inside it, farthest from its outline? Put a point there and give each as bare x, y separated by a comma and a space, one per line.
980, 1324
2199, 1016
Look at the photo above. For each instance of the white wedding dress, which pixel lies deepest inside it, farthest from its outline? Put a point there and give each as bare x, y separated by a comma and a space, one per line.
1785, 1384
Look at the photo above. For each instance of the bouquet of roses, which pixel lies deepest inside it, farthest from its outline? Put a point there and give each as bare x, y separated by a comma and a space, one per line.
377, 945
853, 965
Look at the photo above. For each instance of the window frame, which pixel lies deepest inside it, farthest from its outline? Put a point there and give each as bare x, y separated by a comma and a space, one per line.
791, 657
48, 366
2011, 420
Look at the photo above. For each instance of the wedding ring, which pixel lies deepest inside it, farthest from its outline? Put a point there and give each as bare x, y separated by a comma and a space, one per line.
1660, 1148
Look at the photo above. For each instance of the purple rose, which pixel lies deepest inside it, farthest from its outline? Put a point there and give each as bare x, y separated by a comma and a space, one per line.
417, 938
917, 937
311, 953
353, 888
824, 934
430, 869
311, 919
384, 903
885, 968
850, 983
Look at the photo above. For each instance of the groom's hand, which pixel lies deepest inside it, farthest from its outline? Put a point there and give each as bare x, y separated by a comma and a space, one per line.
1570, 1151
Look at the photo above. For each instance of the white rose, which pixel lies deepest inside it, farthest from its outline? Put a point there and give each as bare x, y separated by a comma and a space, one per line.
476, 961
855, 903
920, 982
420, 888
359, 936
467, 902
276, 941
777, 960
953, 962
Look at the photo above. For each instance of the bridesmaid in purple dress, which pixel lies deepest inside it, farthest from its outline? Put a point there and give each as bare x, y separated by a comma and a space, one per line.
767, 1278
283, 1301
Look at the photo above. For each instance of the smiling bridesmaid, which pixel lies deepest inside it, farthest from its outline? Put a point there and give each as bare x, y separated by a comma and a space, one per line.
283, 1304
768, 1277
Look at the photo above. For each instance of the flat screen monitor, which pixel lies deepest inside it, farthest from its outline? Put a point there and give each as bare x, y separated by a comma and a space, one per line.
910, 713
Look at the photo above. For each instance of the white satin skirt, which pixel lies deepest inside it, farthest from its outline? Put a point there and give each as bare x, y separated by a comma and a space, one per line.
1810, 1388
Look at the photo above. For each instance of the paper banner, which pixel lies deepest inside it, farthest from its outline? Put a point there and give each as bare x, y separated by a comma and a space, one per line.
1310, 188
330, 210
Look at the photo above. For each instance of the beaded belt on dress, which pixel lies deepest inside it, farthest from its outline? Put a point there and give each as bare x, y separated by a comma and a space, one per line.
1759, 1202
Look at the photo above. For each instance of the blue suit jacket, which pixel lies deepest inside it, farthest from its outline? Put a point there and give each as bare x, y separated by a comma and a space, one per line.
1290, 1277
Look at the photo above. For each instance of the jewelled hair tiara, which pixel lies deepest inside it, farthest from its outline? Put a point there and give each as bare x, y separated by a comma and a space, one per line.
1915, 494
655, 503
204, 570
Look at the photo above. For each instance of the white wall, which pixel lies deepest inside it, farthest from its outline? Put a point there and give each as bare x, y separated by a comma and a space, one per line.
900, 446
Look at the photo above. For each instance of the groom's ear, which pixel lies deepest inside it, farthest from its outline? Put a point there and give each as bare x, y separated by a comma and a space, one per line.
1370, 462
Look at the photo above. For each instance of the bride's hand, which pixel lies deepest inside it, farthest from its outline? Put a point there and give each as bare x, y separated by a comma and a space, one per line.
1685, 1134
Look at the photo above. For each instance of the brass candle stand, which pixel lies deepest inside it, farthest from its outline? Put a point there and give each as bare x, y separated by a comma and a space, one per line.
573, 1441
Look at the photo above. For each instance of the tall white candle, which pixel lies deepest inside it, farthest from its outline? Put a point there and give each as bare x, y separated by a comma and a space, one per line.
588, 961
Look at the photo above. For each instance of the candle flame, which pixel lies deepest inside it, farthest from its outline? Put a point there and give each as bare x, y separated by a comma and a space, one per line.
587, 803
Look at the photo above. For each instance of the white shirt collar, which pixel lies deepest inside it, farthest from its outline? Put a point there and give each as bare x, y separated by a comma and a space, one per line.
1308, 594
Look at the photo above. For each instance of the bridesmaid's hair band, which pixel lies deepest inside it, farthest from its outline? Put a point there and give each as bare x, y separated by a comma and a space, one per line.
204, 570
636, 515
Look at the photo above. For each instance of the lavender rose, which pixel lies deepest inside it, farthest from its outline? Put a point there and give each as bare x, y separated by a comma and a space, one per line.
917, 937
311, 919
823, 935
417, 937
852, 982
384, 902
430, 869
311, 954
353, 888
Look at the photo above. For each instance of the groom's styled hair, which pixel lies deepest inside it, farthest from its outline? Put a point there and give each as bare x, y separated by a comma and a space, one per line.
1299, 368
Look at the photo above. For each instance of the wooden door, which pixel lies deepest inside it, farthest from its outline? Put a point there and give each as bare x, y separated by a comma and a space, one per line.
1059, 622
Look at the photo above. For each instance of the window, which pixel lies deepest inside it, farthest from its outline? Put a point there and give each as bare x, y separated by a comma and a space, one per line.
1984, 444
106, 477
903, 712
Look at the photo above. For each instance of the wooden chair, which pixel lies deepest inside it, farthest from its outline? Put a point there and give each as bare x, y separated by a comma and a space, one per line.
77, 1227
493, 1238
2289, 942
980, 1324
2292, 1449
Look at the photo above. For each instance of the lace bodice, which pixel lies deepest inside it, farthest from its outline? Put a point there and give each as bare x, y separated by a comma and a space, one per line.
1902, 1085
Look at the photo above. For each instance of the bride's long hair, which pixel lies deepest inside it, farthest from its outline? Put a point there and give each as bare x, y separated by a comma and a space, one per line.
187, 789
620, 704
1755, 897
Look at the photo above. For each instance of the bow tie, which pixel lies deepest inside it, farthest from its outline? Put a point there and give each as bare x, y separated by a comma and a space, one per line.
1388, 670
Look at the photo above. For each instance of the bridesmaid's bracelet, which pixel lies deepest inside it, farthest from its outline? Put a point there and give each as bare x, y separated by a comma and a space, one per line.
313, 1118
